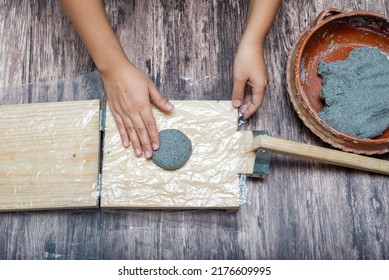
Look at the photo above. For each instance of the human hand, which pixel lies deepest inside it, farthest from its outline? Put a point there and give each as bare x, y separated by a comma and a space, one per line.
250, 69
129, 92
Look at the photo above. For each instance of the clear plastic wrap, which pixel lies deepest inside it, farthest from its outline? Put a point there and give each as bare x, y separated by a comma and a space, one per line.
49, 152
210, 179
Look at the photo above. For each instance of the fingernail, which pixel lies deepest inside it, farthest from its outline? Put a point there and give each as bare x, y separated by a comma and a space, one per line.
169, 106
138, 152
237, 103
147, 154
126, 143
155, 146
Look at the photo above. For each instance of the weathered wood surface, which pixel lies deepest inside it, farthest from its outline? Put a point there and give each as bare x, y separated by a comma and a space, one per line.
49, 155
302, 210
210, 179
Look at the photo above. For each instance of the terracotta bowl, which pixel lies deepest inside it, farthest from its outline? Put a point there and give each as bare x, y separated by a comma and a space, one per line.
331, 37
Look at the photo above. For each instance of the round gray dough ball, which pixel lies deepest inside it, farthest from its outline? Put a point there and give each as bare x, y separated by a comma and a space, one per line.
174, 150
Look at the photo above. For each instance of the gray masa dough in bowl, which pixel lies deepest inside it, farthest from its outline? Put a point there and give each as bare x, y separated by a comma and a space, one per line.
356, 93
174, 150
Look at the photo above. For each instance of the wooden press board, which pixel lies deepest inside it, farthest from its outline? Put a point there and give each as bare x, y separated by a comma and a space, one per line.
49, 155
208, 180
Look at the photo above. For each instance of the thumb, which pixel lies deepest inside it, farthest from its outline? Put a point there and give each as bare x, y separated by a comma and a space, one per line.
162, 103
238, 92
254, 101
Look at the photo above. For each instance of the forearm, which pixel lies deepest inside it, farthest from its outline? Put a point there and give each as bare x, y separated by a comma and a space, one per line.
128, 89
92, 25
261, 15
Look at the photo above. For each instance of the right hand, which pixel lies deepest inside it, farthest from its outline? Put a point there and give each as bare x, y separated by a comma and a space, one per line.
129, 92
250, 69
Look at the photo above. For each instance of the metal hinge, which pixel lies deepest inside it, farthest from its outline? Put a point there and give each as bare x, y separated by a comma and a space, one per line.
99, 185
102, 120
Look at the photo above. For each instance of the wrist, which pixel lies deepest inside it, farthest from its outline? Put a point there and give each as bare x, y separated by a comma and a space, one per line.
253, 38
112, 63
107, 60
250, 43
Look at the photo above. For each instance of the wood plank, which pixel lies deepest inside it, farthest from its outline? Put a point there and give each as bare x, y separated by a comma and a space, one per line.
208, 180
49, 155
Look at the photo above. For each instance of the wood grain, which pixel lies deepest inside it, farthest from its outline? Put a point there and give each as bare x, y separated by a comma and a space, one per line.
49, 155
302, 210
320, 154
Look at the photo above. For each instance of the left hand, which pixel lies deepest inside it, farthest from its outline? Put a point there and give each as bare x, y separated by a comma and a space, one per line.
250, 69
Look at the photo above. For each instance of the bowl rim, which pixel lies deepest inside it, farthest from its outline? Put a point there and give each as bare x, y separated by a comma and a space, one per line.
322, 20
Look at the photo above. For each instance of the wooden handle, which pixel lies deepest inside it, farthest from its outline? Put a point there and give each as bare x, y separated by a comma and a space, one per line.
325, 155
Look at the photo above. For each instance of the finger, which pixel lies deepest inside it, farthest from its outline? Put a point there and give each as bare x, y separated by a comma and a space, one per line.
151, 127
131, 131
254, 100
238, 92
142, 134
162, 103
121, 128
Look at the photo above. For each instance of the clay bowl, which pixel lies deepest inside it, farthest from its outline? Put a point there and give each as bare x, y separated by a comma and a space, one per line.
331, 37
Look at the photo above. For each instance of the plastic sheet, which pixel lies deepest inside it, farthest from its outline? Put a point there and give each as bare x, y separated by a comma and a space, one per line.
49, 152
209, 179
85, 87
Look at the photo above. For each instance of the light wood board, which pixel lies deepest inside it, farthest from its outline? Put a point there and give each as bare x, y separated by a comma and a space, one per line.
208, 180
49, 155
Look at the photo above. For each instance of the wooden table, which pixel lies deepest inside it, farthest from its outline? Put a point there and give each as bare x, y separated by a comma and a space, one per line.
302, 210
